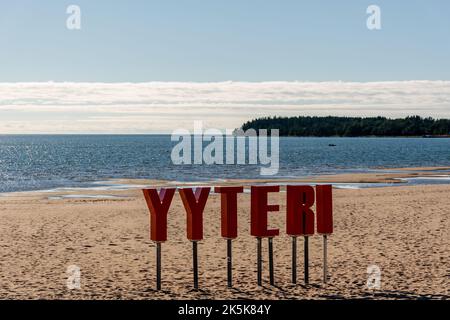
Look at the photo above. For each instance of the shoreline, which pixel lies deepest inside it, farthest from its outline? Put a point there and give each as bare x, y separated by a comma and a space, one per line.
376, 178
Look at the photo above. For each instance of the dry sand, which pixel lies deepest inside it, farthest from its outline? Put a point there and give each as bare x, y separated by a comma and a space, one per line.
403, 230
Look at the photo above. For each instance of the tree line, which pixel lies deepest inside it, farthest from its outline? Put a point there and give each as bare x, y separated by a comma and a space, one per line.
352, 126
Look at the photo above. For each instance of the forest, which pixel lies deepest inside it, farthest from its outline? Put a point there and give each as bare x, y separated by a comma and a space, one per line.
331, 126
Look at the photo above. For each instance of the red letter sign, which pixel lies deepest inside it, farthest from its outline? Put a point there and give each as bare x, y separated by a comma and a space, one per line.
158, 206
194, 204
228, 201
259, 210
324, 209
299, 216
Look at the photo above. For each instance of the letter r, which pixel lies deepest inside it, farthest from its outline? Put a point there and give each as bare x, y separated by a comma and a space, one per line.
299, 216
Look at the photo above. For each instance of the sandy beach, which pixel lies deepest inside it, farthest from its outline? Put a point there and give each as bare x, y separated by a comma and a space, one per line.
403, 230
327, 120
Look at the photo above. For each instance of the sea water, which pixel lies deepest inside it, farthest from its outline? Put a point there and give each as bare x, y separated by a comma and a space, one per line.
41, 162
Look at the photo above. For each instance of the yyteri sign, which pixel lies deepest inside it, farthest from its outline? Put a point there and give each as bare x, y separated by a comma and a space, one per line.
301, 220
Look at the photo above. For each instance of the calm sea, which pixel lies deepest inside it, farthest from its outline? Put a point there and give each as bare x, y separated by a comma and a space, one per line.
45, 162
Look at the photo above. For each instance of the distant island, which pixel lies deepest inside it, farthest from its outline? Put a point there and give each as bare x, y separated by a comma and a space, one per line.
412, 126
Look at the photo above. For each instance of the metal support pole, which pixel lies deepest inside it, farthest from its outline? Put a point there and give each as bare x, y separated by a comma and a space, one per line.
271, 269
158, 266
259, 261
229, 263
294, 260
306, 262
325, 262
195, 263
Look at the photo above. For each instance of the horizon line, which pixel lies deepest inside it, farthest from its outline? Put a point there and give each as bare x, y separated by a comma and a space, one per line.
218, 82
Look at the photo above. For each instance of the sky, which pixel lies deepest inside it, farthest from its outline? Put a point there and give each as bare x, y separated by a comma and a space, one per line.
153, 66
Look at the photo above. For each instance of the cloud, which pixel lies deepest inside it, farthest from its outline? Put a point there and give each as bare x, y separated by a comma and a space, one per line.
165, 106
